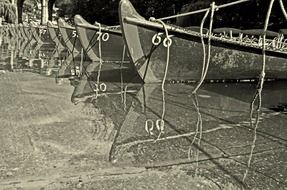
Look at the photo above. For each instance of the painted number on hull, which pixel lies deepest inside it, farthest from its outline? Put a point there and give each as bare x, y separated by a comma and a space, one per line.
103, 36
74, 34
43, 31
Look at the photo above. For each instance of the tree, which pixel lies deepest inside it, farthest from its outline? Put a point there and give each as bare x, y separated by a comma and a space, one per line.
246, 15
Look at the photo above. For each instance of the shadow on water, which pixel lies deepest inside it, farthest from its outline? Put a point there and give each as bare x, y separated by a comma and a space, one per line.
211, 131
206, 134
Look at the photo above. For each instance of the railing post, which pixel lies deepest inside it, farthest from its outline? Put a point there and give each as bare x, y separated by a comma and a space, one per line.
44, 12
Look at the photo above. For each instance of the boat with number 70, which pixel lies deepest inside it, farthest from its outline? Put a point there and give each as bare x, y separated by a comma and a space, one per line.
112, 44
231, 57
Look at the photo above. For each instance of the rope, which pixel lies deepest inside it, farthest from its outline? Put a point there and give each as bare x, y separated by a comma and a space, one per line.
121, 67
100, 57
81, 63
205, 64
198, 125
92, 43
160, 122
125, 98
204, 10
258, 94
73, 48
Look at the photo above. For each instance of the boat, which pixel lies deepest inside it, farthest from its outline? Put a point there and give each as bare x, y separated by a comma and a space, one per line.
230, 58
22, 32
112, 44
70, 36
55, 35
116, 63
40, 33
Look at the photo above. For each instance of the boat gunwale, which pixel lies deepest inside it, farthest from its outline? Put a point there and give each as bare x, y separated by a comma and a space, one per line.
51, 25
106, 29
182, 31
64, 24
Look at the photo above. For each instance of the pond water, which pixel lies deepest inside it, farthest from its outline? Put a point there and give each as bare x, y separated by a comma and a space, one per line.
210, 133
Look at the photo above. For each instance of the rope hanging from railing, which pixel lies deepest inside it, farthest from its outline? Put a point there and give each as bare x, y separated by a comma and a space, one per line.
99, 86
205, 65
258, 93
160, 124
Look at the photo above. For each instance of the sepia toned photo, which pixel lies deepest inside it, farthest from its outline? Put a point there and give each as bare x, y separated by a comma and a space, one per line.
143, 95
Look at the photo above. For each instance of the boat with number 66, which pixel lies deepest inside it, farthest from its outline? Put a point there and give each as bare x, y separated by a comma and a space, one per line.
231, 57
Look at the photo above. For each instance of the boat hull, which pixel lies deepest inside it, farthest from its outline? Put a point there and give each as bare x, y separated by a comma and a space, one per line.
227, 60
70, 37
112, 44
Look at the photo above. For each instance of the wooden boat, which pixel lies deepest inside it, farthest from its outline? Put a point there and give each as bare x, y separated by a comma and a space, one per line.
230, 58
70, 36
72, 42
55, 35
28, 32
112, 44
41, 35
22, 32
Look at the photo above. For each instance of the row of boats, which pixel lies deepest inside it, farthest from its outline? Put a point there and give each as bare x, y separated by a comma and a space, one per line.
155, 51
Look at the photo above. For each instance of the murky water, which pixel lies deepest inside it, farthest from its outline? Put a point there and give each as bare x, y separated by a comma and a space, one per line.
208, 134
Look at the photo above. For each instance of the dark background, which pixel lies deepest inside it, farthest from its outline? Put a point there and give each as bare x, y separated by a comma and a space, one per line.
243, 16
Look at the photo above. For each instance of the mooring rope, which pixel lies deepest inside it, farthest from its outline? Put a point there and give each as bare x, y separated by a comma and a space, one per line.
205, 66
202, 42
81, 63
73, 48
168, 41
98, 85
121, 67
258, 93
194, 94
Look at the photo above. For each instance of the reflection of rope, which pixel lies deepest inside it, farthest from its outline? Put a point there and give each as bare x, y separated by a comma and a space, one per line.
73, 48
197, 130
98, 85
205, 62
81, 63
121, 67
160, 122
258, 94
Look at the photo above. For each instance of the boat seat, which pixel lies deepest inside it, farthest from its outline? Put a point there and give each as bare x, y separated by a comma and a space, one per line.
197, 29
260, 32
227, 30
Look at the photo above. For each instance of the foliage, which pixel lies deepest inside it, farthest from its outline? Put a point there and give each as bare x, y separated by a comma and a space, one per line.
247, 15
106, 12
8, 11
